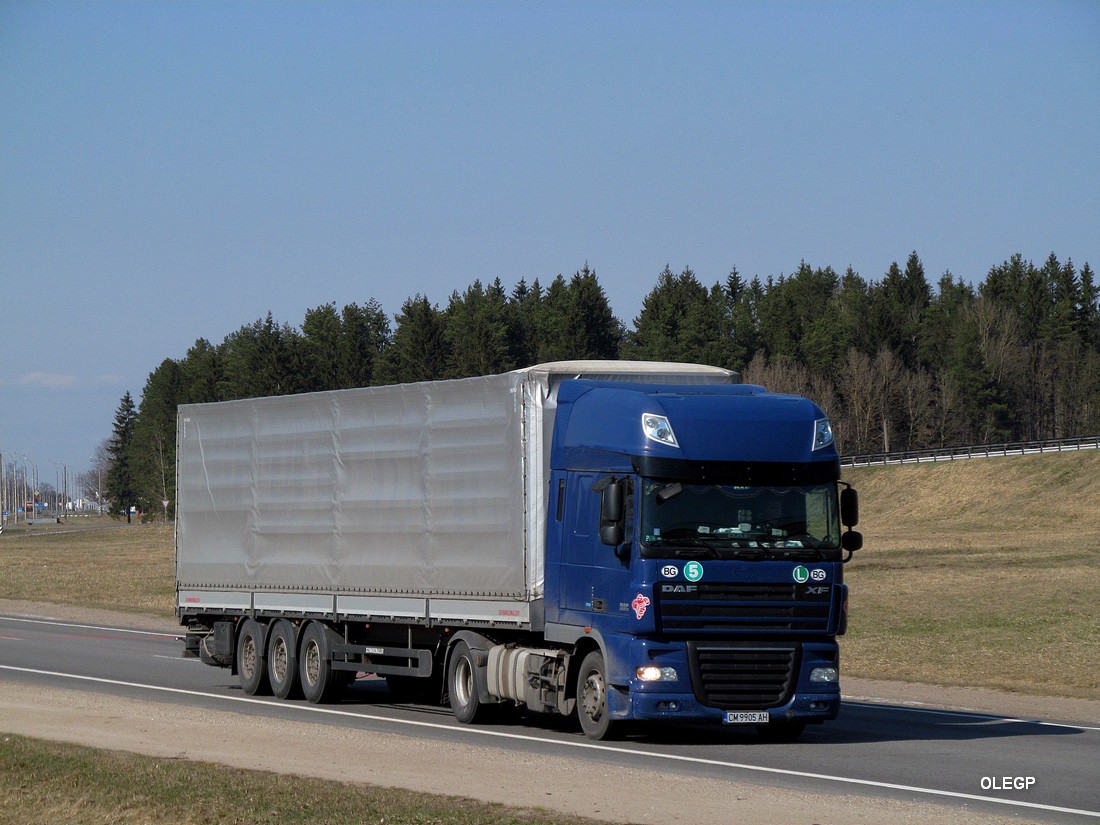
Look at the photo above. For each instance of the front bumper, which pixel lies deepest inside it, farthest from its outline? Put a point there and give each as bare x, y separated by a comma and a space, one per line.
694, 697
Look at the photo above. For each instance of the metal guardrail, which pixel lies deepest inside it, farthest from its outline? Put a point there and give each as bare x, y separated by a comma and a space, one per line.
1058, 445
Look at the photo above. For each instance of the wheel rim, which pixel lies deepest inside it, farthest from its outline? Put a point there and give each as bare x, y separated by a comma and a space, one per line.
312, 671
279, 660
464, 681
248, 660
592, 698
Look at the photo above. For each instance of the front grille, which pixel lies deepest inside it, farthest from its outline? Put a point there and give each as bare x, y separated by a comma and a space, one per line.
718, 607
742, 676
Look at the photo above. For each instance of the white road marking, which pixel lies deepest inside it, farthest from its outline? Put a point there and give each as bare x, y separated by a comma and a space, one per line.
572, 744
852, 701
59, 623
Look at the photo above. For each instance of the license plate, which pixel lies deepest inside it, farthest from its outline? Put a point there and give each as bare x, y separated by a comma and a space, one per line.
754, 717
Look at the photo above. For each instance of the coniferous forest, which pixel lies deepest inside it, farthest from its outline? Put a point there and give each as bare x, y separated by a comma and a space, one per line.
897, 364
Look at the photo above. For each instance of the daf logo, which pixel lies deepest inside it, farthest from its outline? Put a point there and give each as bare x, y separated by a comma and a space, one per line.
679, 588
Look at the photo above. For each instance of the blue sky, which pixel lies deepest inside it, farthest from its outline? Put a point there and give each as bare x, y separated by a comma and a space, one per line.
175, 170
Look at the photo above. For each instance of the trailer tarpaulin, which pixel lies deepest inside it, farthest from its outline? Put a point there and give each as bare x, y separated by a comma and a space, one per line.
408, 489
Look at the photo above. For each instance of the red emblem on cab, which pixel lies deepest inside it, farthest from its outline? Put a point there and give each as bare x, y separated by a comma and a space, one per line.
640, 604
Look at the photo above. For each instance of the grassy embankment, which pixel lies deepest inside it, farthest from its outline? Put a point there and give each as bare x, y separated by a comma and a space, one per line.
44, 783
979, 573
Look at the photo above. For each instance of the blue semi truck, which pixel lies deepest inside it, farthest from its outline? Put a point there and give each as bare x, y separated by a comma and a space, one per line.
620, 541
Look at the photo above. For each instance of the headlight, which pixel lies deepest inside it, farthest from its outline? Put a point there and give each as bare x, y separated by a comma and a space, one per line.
653, 673
825, 675
657, 428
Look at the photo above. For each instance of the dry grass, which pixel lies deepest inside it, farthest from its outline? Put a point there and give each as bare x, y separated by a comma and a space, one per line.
100, 564
980, 573
43, 783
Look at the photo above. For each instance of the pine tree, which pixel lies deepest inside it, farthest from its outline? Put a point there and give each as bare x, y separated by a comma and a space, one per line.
1087, 320
668, 327
200, 374
120, 485
553, 336
591, 330
527, 311
477, 332
743, 334
897, 308
419, 351
321, 350
153, 448
366, 337
260, 359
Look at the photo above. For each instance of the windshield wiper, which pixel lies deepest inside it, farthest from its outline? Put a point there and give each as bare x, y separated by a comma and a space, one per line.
688, 546
681, 544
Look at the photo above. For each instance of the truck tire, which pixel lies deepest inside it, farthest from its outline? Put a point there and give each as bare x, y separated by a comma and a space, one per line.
251, 659
592, 687
282, 660
320, 683
462, 685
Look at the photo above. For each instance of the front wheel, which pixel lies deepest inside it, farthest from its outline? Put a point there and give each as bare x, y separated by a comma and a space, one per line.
592, 707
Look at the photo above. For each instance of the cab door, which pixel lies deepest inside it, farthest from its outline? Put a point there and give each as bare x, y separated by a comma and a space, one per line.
593, 581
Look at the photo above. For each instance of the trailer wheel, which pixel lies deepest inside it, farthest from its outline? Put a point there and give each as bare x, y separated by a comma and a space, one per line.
592, 690
282, 660
251, 661
462, 685
319, 681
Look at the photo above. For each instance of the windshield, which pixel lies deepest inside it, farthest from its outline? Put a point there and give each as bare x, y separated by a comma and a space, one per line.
725, 521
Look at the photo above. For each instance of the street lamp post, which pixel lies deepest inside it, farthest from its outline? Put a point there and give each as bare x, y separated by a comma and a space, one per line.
98, 483
56, 486
33, 490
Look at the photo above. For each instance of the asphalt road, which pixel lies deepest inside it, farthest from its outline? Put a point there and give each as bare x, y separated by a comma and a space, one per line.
970, 760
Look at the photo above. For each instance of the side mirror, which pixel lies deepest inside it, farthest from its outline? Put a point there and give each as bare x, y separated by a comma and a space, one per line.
612, 507
851, 540
611, 502
612, 534
849, 507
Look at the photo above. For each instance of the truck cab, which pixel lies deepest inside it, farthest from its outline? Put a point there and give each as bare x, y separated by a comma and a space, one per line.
694, 554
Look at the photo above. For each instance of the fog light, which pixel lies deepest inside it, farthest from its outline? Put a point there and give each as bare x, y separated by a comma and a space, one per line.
653, 673
825, 675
